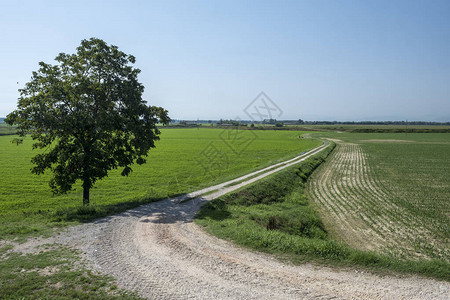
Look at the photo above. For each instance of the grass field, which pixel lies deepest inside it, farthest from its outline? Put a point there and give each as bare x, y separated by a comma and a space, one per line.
388, 193
184, 160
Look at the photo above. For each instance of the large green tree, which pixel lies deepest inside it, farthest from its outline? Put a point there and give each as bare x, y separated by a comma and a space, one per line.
87, 112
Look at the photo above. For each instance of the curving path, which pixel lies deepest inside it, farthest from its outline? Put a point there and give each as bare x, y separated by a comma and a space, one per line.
158, 251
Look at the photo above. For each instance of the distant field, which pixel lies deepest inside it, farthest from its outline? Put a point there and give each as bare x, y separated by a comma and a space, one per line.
388, 192
387, 128
358, 126
6, 129
184, 160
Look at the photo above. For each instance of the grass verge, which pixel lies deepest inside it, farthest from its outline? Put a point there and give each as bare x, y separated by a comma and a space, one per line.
52, 274
45, 222
274, 216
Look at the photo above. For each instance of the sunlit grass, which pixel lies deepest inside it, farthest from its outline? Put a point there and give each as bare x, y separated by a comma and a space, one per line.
180, 163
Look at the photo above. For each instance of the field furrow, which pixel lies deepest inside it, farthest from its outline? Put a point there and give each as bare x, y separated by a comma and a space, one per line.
360, 210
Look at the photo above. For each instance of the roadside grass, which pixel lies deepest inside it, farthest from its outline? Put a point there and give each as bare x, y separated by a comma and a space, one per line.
180, 164
52, 274
275, 216
20, 226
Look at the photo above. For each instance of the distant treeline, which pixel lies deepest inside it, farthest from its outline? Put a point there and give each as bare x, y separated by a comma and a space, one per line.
375, 123
347, 129
302, 122
400, 130
194, 123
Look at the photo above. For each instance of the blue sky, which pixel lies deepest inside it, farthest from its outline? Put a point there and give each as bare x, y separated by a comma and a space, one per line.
327, 60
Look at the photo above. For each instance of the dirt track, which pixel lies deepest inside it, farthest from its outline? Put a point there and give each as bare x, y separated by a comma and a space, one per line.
159, 252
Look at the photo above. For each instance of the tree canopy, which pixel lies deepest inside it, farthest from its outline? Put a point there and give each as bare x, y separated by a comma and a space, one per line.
87, 112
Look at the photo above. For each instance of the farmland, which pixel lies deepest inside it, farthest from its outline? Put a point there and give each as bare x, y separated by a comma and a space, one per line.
406, 128
285, 214
184, 160
387, 193
278, 216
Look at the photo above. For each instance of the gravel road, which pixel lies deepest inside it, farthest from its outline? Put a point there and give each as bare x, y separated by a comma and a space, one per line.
158, 251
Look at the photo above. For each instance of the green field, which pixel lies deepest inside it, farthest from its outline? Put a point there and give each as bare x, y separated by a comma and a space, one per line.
388, 192
184, 160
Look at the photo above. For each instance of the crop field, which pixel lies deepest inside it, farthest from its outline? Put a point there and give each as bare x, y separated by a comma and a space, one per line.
184, 160
387, 192
387, 128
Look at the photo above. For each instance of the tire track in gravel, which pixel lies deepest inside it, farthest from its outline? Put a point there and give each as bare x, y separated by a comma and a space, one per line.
158, 251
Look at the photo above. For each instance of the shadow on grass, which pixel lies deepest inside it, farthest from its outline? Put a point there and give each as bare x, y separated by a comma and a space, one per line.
93, 212
164, 210
216, 210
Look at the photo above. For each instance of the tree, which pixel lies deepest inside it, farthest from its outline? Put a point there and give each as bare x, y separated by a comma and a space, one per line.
87, 112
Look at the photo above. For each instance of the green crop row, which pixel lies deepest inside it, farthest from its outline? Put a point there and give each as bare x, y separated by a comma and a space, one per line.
388, 192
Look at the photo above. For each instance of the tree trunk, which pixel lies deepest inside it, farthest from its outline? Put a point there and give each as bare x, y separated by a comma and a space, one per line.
85, 194
86, 178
